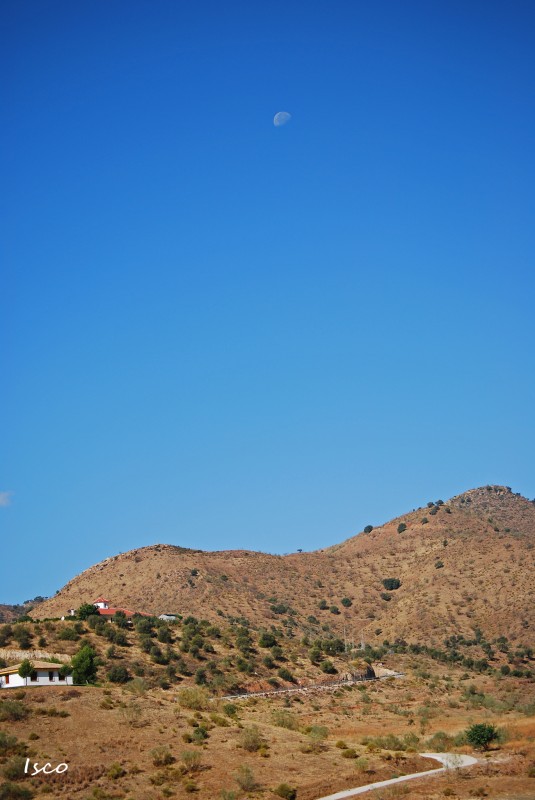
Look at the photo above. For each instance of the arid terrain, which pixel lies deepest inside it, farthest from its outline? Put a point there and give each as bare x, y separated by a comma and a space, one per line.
442, 595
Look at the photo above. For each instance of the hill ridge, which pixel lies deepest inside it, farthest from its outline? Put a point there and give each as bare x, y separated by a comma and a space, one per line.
458, 564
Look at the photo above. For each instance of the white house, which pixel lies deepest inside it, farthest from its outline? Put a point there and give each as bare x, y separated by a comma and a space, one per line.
44, 674
168, 617
101, 602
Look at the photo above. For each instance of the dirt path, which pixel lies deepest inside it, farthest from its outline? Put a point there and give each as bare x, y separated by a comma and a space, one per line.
450, 761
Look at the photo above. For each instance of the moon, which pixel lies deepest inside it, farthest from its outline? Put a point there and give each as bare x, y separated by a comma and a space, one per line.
281, 118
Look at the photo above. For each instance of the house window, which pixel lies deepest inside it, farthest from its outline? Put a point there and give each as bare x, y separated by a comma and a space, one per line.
50, 676
33, 677
61, 677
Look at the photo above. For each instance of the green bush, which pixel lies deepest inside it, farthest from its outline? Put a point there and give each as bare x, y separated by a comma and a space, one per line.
386, 596
346, 602
10, 746
391, 584
12, 711
13, 769
84, 665
68, 634
368, 529
285, 674
328, 667
402, 527
481, 735
86, 610
119, 674
267, 640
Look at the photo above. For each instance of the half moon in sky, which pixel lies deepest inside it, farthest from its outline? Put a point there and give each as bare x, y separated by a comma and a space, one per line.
281, 118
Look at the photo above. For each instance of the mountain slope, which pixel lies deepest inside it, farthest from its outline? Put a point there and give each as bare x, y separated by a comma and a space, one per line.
462, 565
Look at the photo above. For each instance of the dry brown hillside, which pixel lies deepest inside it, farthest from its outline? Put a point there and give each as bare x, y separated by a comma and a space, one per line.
464, 564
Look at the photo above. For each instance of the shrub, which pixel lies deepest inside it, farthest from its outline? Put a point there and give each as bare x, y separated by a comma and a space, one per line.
285, 674
424, 520
23, 637
316, 736
116, 771
199, 735
68, 635
191, 760
251, 739
368, 529
13, 770
230, 709
402, 527
323, 605
328, 667
386, 596
346, 602
267, 640
350, 752
9, 745
245, 778
481, 735
285, 719
334, 610
194, 698
439, 564
391, 584
162, 756
119, 674
201, 677
285, 791
12, 711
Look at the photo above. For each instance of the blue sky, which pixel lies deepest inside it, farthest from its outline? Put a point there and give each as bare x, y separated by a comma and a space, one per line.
219, 333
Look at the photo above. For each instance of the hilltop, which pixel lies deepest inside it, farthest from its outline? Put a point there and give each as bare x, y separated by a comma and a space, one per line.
463, 565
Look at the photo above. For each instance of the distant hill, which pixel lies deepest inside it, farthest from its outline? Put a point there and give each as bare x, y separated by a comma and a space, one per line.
463, 564
11, 612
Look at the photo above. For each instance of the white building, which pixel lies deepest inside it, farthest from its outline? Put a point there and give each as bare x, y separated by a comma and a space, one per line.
101, 602
44, 674
168, 617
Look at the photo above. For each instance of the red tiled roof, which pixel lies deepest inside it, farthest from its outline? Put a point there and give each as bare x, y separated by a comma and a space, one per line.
101, 600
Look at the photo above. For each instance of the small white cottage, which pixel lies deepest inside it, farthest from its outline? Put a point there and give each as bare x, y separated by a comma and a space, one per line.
168, 617
44, 674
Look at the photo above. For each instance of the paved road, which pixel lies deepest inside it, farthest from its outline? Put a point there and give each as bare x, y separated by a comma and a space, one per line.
450, 760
